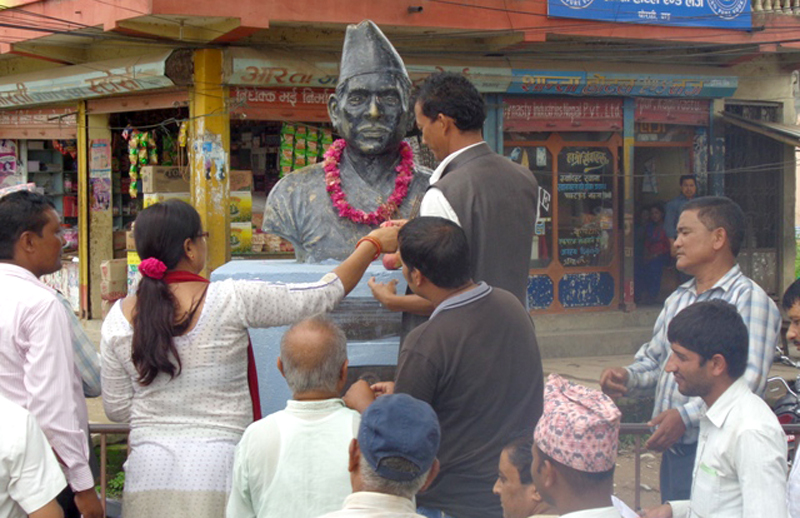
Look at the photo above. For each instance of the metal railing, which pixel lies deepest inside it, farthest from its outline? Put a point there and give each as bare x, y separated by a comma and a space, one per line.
635, 429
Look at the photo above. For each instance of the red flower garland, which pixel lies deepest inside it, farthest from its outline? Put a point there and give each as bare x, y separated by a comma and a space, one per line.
333, 184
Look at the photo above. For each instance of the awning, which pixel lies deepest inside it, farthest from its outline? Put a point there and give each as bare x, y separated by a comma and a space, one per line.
71, 83
787, 133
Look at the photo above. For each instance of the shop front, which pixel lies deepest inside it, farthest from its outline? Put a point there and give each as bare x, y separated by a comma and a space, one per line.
572, 146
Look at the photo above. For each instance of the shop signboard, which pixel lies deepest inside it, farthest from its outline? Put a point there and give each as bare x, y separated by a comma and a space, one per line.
251, 68
541, 114
687, 112
542, 82
43, 123
85, 81
720, 14
296, 103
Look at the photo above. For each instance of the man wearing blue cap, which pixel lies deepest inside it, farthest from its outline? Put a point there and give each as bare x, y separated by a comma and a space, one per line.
393, 458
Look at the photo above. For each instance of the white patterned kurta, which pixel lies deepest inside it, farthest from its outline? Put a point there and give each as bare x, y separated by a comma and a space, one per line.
184, 430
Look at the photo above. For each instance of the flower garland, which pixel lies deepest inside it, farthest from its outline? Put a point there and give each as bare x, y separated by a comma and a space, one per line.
333, 184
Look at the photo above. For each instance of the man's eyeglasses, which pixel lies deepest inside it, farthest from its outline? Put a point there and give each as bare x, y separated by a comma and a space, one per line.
202, 234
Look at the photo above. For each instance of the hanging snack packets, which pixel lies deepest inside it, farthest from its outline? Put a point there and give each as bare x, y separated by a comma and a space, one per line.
286, 155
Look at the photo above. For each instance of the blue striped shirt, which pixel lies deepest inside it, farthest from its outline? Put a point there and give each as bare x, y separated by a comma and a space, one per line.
86, 357
763, 322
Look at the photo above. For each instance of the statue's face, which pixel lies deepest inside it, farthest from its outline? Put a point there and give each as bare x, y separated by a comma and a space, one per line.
371, 113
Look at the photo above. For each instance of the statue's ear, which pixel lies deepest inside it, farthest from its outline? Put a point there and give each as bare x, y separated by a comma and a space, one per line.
333, 111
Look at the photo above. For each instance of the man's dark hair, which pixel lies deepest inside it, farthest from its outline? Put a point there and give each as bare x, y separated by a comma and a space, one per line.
792, 295
21, 211
438, 248
712, 327
452, 95
720, 212
577, 479
519, 453
687, 177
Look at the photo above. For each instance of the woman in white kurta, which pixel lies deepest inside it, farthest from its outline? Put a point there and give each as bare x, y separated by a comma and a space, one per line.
186, 424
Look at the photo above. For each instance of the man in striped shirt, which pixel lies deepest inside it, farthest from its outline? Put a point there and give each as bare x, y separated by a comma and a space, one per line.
710, 234
37, 368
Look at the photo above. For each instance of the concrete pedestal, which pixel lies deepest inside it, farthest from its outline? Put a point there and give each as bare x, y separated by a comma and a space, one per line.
373, 333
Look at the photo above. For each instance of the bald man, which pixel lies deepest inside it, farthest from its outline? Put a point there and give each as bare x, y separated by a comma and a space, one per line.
294, 462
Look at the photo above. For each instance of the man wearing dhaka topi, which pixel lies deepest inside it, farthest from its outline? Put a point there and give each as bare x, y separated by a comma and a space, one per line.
369, 175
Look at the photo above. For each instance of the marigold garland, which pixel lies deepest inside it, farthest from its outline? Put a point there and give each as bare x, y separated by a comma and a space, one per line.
333, 184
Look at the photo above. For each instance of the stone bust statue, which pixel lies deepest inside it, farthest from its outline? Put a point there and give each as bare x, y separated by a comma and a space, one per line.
370, 110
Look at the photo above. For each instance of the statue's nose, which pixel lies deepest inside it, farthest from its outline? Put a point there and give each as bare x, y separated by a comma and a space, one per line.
374, 111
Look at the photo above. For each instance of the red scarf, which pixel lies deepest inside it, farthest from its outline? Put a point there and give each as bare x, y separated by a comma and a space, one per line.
176, 276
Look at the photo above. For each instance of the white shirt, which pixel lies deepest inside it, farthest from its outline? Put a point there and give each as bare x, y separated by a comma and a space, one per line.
740, 468
434, 202
600, 512
294, 462
29, 473
366, 504
37, 370
793, 488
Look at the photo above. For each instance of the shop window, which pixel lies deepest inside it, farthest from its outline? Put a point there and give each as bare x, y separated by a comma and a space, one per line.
539, 160
585, 206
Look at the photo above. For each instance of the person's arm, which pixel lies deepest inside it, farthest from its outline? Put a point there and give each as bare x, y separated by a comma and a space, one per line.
434, 203
265, 304
643, 373
117, 383
49, 380
761, 468
86, 358
352, 269
386, 294
35, 476
763, 321
49, 510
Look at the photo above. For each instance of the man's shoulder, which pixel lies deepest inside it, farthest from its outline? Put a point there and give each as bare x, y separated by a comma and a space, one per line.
308, 176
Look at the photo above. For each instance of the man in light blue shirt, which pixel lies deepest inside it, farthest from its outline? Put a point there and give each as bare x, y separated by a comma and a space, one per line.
710, 234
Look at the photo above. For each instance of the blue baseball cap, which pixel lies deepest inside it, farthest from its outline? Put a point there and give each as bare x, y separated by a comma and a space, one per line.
399, 425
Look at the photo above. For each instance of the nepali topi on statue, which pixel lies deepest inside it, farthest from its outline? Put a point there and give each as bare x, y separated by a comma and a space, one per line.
368, 176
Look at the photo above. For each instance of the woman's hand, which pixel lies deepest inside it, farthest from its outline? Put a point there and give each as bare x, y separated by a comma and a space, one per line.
387, 237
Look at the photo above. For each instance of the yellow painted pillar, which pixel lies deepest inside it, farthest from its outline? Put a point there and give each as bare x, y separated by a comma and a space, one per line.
209, 154
83, 211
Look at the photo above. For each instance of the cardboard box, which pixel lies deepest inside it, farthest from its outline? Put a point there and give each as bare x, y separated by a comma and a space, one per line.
119, 241
113, 279
241, 237
241, 180
241, 207
130, 242
164, 178
158, 197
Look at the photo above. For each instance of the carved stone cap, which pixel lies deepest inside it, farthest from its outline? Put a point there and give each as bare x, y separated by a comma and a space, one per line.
367, 50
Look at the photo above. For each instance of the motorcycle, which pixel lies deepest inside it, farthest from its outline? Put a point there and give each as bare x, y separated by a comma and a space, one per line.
784, 398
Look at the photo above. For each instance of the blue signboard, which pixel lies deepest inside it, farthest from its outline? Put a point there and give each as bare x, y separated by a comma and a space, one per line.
622, 85
721, 14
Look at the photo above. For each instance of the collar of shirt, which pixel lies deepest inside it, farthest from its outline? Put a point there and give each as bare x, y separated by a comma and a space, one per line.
719, 411
462, 299
319, 405
382, 501
723, 284
18, 271
437, 173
